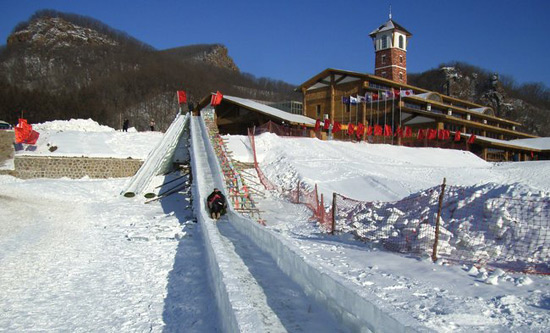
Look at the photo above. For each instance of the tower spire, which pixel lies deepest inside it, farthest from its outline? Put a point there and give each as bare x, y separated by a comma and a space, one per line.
390, 11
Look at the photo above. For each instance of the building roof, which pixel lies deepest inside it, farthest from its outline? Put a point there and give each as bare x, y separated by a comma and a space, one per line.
270, 111
323, 80
390, 25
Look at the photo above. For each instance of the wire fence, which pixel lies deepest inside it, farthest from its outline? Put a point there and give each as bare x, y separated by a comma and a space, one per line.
461, 224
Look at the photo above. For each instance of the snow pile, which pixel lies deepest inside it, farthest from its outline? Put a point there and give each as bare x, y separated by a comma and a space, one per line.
486, 223
85, 137
80, 125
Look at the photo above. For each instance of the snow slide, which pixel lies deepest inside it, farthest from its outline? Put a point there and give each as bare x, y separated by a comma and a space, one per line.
241, 301
159, 159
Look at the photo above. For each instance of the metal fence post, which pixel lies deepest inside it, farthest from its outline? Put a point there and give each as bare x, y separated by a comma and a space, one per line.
436, 240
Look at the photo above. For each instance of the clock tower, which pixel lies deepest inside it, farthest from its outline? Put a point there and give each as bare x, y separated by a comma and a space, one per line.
390, 47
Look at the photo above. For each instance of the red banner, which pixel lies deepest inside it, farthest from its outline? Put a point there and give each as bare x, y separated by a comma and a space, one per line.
360, 129
457, 136
327, 124
377, 130
351, 128
387, 130
337, 127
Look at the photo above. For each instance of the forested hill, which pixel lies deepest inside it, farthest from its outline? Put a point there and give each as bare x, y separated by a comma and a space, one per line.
62, 66
528, 103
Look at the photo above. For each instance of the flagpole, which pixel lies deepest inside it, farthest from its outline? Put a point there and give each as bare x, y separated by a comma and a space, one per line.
385, 120
392, 115
371, 111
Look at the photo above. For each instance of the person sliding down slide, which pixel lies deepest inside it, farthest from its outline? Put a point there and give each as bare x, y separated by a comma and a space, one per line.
216, 203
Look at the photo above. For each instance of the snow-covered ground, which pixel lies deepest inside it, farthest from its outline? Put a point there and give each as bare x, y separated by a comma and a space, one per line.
77, 256
85, 137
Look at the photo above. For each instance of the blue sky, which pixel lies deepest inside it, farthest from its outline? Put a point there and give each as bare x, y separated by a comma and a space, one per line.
293, 40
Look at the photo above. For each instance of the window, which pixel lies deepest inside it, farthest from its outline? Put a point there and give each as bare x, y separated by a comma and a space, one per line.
401, 42
384, 42
401, 59
383, 74
318, 110
383, 59
401, 76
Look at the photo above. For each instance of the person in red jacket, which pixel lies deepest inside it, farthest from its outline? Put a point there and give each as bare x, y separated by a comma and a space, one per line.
216, 203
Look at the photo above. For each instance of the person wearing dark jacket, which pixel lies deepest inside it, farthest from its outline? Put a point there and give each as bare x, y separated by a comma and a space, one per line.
216, 203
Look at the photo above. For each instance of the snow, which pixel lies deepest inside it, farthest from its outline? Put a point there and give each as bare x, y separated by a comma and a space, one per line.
536, 143
85, 137
77, 256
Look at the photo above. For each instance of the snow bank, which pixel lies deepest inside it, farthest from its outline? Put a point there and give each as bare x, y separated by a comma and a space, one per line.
85, 137
79, 125
489, 223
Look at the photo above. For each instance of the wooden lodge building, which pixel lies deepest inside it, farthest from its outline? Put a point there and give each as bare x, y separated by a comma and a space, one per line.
385, 100
327, 94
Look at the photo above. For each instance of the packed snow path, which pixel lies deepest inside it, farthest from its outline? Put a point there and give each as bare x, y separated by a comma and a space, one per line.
253, 294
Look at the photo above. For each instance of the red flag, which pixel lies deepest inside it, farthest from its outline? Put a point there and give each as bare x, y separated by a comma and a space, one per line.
360, 129
377, 130
387, 130
369, 131
432, 134
33, 137
396, 92
408, 132
216, 99
351, 128
471, 139
440, 134
446, 134
399, 132
457, 136
421, 134
317, 125
374, 97
24, 133
327, 124
182, 97
337, 127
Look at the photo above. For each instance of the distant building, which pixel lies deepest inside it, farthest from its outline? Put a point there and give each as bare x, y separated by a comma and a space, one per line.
347, 97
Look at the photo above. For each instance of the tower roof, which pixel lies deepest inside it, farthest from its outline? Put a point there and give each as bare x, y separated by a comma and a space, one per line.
390, 25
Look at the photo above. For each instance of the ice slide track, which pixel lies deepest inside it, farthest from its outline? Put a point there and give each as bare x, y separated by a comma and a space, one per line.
280, 289
159, 159
252, 293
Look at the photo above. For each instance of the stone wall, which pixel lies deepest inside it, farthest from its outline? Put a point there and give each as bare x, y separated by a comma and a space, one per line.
7, 138
27, 167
